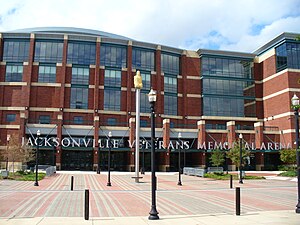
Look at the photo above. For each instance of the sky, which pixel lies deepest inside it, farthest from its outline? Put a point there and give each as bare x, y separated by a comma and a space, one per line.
234, 25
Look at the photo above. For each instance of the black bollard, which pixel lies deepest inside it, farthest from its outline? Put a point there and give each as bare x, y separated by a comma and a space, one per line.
237, 201
72, 181
86, 204
231, 185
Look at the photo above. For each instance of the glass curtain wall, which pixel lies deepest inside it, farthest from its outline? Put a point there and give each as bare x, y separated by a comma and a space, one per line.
170, 68
143, 60
227, 87
288, 56
15, 52
113, 58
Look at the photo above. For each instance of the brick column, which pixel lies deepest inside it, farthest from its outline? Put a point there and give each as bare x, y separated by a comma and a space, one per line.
166, 141
59, 136
259, 138
157, 82
201, 141
96, 137
129, 79
131, 141
231, 139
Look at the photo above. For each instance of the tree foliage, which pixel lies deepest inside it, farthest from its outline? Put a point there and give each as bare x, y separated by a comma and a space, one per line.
217, 157
288, 156
234, 153
15, 152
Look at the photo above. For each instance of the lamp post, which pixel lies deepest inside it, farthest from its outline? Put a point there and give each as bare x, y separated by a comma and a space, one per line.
38, 133
153, 212
295, 105
109, 149
241, 158
143, 158
8, 139
179, 163
98, 166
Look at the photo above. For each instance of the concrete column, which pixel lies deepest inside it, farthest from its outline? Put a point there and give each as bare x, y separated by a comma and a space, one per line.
259, 138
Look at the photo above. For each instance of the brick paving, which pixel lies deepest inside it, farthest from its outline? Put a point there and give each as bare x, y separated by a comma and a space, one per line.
53, 197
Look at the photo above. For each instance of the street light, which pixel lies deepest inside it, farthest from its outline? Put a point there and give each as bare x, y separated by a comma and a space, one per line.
295, 105
38, 133
179, 163
109, 149
143, 158
98, 166
241, 158
153, 212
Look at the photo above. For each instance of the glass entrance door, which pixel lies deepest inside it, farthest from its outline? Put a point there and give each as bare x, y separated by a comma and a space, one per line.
77, 160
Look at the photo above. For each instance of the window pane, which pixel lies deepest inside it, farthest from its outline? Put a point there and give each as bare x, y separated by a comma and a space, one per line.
15, 50
143, 59
113, 56
48, 52
14, 73
81, 53
47, 74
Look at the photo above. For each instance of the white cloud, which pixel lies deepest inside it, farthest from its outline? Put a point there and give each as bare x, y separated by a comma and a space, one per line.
233, 25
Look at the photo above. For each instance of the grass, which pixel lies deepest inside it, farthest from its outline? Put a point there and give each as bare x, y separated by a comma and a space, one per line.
290, 173
222, 176
25, 176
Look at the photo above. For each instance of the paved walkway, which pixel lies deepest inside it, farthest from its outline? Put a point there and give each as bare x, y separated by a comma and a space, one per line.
198, 201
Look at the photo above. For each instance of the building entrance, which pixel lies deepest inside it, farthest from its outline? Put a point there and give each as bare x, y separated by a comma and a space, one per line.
77, 160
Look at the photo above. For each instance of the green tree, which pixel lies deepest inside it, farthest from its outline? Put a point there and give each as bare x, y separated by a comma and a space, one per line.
217, 157
288, 156
234, 153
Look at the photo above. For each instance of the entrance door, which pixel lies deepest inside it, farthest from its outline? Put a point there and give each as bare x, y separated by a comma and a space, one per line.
77, 160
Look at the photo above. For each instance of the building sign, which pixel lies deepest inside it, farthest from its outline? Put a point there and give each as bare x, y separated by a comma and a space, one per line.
67, 142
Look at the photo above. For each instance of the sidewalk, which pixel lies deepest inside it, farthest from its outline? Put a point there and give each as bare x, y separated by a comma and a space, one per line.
199, 201
257, 218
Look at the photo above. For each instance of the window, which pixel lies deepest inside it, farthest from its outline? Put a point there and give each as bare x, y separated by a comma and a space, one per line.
44, 119
80, 76
113, 56
112, 98
111, 121
288, 56
170, 104
78, 119
143, 59
47, 74
14, 73
112, 90
144, 102
48, 52
15, 50
170, 94
10, 117
79, 97
143, 123
112, 78
170, 63
82, 53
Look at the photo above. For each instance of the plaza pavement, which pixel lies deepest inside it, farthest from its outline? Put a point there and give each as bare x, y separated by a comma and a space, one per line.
198, 201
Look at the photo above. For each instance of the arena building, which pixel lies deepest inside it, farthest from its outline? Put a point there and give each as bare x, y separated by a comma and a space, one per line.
76, 86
